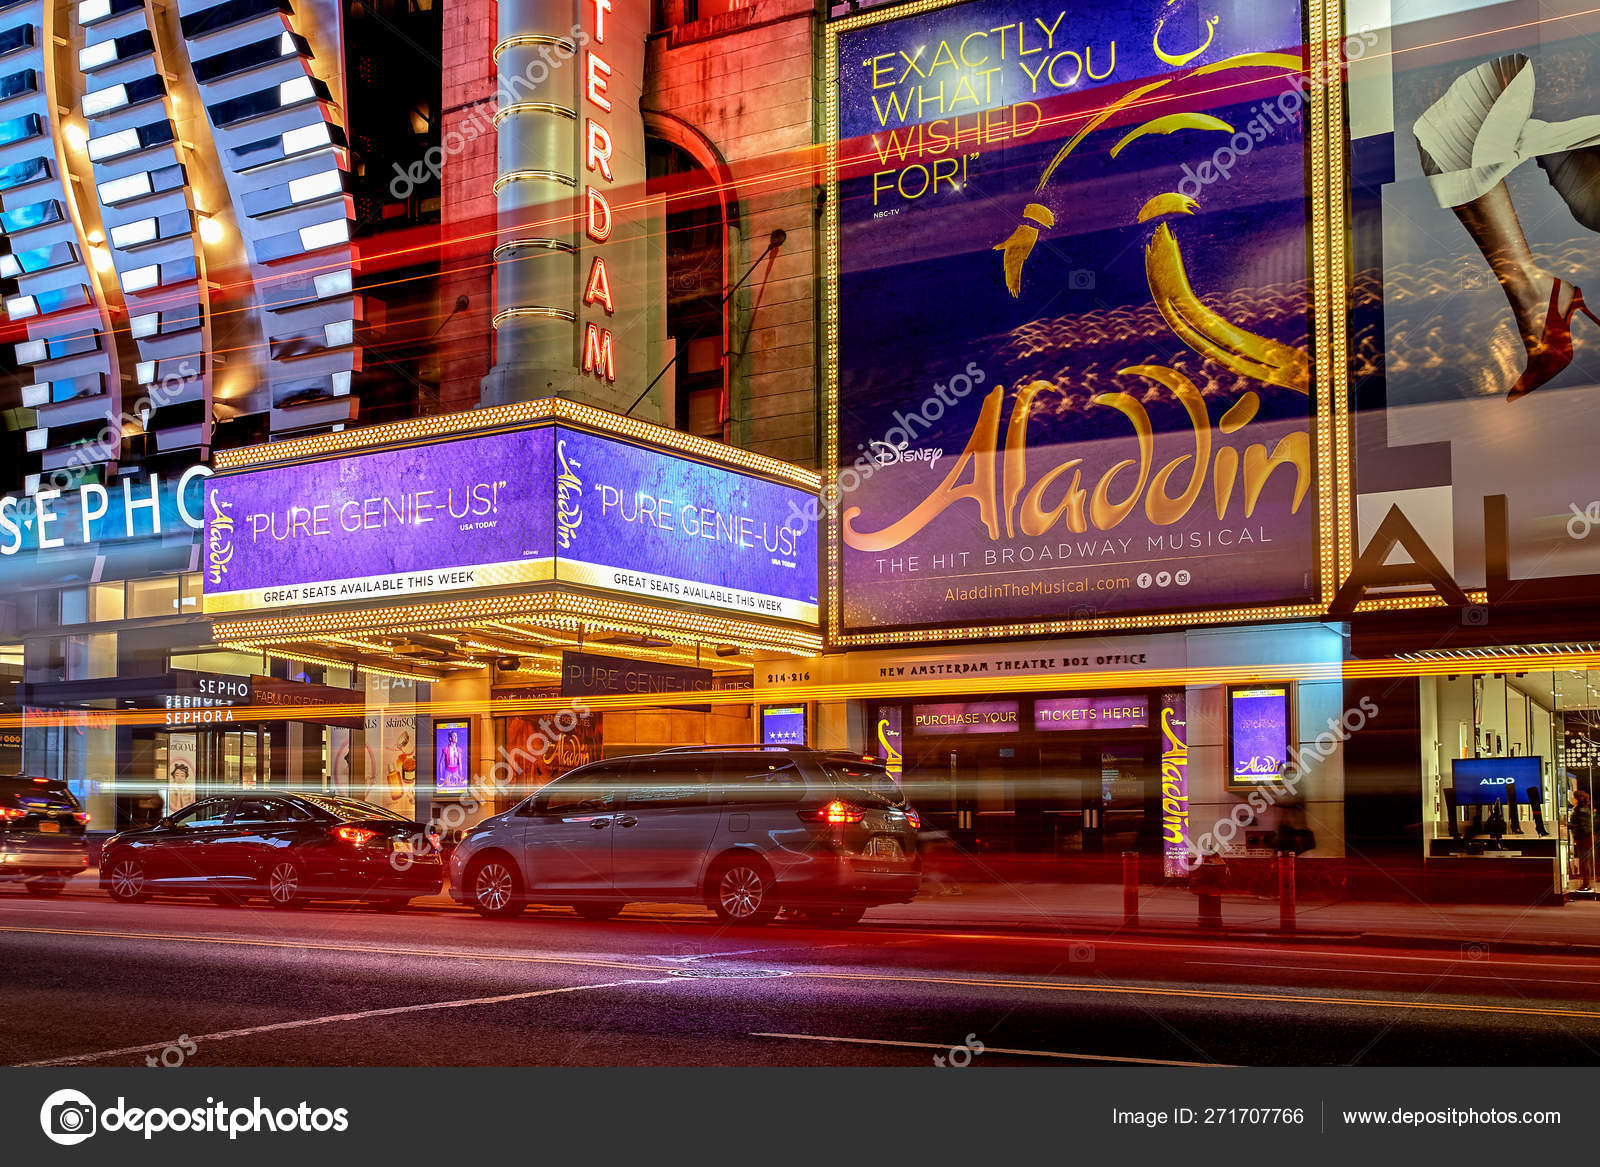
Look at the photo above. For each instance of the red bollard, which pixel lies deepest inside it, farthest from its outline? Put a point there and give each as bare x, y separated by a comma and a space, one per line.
1286, 890
1130, 887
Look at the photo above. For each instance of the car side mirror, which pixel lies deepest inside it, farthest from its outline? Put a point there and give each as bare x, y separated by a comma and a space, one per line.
165, 823
526, 809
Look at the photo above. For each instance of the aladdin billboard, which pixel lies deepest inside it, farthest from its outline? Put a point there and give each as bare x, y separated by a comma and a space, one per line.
542, 504
1069, 271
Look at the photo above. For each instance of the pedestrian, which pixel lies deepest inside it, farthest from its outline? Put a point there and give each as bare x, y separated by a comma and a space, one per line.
1580, 825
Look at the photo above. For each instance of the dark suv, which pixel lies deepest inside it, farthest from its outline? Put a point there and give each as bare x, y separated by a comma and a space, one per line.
746, 831
41, 834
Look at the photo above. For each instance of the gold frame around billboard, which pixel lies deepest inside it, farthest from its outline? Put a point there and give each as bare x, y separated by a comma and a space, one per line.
1327, 198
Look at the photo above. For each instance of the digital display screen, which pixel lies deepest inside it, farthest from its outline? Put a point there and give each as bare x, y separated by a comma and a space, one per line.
1483, 781
470, 513
965, 717
658, 525
1074, 323
783, 725
452, 755
1069, 713
1258, 734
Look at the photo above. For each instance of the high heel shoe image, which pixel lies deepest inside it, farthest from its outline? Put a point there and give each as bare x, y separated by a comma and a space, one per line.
1553, 353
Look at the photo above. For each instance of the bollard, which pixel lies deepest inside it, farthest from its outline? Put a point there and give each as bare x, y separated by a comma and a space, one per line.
1286, 890
1130, 887
1210, 909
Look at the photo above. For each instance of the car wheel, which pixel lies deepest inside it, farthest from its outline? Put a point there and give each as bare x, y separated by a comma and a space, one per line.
126, 881
837, 917
47, 887
391, 903
742, 891
285, 884
599, 909
496, 891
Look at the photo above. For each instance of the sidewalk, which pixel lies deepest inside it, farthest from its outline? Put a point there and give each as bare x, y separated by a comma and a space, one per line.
1097, 908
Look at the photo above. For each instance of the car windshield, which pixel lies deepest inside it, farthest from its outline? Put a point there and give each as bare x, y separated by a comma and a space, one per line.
868, 777
350, 809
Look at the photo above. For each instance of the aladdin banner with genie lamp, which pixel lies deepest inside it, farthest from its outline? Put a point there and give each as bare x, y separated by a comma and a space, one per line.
538, 505
1070, 282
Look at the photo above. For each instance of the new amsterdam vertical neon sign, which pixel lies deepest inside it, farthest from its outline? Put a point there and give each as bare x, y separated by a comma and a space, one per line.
599, 356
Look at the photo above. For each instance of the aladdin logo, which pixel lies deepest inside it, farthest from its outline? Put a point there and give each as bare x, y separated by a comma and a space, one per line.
1174, 791
1007, 495
219, 541
569, 498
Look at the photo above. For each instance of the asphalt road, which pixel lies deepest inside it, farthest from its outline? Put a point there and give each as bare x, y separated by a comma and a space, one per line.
90, 982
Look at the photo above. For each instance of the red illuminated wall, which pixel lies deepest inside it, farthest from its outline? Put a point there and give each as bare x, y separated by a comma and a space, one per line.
467, 342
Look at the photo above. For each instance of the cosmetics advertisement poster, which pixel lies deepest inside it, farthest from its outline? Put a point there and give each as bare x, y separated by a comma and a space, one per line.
394, 786
1475, 202
1073, 359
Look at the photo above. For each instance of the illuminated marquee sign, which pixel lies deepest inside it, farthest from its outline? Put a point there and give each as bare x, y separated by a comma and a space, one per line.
1057, 713
599, 349
965, 717
536, 505
95, 513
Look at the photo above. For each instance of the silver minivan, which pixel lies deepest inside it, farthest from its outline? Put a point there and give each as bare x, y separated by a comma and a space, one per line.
746, 831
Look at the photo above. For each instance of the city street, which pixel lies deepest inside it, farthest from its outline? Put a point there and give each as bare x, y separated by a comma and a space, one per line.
90, 982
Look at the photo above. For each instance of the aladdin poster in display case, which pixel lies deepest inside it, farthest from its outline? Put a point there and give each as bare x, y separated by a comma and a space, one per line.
1069, 282
452, 755
1475, 349
1259, 727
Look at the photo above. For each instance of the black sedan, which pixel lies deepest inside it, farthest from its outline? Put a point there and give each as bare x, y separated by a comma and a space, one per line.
290, 848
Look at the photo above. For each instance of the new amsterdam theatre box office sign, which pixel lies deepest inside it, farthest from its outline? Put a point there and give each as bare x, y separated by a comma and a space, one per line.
547, 503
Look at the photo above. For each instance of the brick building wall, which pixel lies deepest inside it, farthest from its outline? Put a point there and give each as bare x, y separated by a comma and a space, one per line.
466, 345
744, 79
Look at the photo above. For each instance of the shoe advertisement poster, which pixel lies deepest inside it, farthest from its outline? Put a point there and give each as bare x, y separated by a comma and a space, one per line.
1073, 369
1475, 208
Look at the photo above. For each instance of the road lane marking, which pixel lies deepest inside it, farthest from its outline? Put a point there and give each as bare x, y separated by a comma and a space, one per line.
338, 1018
992, 1049
1392, 972
313, 946
1206, 994
1069, 987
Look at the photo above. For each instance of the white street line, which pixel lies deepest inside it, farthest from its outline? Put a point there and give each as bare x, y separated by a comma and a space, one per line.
990, 1049
52, 911
336, 1018
1391, 972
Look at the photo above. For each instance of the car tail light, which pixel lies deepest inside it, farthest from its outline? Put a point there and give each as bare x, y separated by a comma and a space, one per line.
82, 816
11, 812
835, 813
357, 836
913, 817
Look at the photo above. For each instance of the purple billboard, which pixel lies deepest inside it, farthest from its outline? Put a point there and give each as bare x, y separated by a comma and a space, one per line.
1258, 734
471, 513
1057, 713
648, 523
965, 717
452, 755
1073, 364
544, 504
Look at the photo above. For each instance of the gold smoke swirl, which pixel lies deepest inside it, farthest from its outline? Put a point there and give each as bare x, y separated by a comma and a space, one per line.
1019, 245
1182, 58
1167, 204
1171, 123
1211, 335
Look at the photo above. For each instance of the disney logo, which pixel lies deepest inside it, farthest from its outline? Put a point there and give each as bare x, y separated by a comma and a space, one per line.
889, 454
